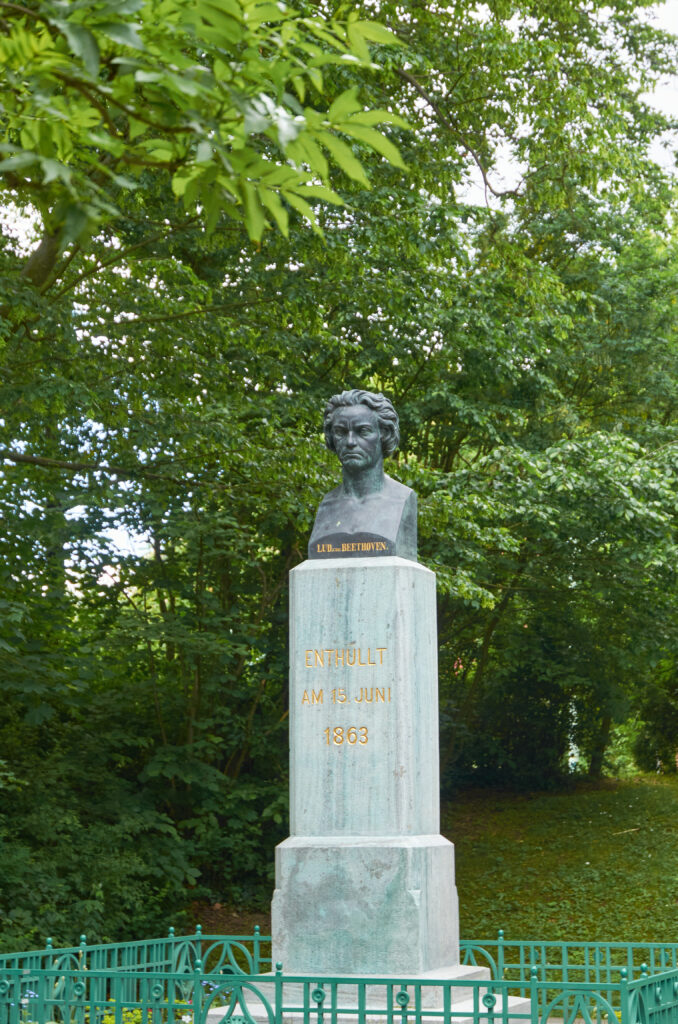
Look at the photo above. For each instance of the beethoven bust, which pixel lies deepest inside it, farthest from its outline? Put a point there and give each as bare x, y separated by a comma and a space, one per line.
369, 513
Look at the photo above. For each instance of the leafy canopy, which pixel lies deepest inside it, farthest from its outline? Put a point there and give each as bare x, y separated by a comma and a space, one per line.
169, 383
228, 97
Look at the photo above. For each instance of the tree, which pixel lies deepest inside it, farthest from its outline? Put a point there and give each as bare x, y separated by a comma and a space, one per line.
171, 383
107, 124
208, 94
655, 743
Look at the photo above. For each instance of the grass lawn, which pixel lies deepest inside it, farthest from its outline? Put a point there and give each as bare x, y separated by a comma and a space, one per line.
594, 863
588, 864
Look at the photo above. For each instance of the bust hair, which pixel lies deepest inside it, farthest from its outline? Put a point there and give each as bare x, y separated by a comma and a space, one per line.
387, 417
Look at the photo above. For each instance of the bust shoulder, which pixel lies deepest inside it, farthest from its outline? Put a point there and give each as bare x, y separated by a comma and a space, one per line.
395, 490
392, 490
383, 522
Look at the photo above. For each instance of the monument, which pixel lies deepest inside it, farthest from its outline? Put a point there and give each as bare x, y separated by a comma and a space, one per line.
365, 882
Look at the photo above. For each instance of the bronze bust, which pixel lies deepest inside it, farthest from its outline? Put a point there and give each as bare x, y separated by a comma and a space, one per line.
369, 514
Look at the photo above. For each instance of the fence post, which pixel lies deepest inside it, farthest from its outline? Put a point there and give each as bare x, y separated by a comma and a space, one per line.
197, 991
256, 949
624, 995
278, 993
13, 991
117, 992
41, 1011
534, 1000
500, 954
402, 999
198, 942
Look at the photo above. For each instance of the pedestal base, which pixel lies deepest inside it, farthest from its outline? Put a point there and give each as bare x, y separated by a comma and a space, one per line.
365, 883
377, 1004
365, 905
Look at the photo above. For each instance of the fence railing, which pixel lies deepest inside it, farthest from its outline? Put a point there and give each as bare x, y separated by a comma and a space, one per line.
176, 954
597, 962
166, 981
598, 965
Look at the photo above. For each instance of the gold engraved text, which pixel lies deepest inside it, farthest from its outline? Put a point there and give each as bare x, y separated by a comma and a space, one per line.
339, 657
355, 545
373, 695
338, 735
312, 697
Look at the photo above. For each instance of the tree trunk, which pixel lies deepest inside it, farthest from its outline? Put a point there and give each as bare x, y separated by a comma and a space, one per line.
42, 260
599, 747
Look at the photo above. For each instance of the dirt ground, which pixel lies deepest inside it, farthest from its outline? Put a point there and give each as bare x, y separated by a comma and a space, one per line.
221, 919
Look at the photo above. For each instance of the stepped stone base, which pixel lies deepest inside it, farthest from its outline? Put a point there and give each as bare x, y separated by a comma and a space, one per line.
360, 906
365, 883
251, 1008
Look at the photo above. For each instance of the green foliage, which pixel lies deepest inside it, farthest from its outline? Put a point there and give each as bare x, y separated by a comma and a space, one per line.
655, 742
128, 1017
100, 93
619, 760
168, 383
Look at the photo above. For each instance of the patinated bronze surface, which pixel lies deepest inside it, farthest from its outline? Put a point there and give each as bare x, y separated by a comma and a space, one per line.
369, 514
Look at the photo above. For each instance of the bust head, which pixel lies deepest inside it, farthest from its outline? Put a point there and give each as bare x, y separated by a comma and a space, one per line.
385, 415
369, 513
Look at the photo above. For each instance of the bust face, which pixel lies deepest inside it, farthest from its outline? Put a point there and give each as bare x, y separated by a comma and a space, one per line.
356, 437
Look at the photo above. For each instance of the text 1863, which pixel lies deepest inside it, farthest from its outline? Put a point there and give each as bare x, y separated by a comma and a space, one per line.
339, 735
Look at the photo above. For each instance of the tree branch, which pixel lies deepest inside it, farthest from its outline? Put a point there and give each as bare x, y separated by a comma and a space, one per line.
166, 318
60, 270
122, 254
449, 123
26, 11
130, 472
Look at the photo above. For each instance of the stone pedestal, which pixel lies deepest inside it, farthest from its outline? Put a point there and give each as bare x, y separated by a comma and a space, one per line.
365, 883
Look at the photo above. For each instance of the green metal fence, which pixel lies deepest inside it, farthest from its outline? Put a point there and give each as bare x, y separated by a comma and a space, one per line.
176, 954
203, 979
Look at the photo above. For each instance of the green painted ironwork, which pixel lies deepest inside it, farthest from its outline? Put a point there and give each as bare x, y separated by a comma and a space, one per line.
203, 979
220, 954
558, 964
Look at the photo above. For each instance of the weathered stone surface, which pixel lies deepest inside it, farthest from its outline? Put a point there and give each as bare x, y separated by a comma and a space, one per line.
363, 656
365, 883
365, 906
